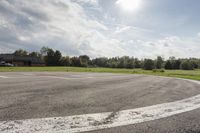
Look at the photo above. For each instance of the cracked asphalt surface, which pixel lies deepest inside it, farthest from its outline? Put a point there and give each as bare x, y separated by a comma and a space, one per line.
26, 95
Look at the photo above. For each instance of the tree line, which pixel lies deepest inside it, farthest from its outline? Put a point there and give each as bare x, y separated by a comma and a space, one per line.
55, 58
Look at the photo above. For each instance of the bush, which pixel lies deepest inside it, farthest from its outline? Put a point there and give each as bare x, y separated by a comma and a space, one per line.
187, 65
162, 70
154, 70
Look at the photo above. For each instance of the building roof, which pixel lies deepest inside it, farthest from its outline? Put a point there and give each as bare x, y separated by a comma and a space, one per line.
12, 57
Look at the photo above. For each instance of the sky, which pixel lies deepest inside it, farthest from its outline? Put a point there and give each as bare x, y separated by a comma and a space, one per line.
138, 28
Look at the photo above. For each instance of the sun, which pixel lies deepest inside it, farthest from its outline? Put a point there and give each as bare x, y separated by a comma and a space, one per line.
129, 5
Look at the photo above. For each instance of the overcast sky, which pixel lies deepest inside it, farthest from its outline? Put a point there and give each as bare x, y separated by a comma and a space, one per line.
139, 28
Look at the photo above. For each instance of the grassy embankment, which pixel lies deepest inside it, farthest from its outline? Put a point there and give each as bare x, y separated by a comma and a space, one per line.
194, 74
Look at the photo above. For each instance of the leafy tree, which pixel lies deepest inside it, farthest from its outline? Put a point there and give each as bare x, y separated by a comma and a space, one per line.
176, 64
112, 62
195, 62
137, 63
159, 62
187, 65
65, 61
57, 57
130, 63
53, 57
148, 64
84, 60
35, 54
122, 62
49, 58
75, 61
168, 64
100, 62
21, 52
44, 50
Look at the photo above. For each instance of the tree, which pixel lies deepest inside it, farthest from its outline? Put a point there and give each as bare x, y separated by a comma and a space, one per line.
53, 57
49, 58
176, 64
122, 62
84, 60
168, 64
159, 62
195, 62
130, 63
65, 61
148, 64
35, 54
187, 65
100, 62
137, 63
57, 57
75, 61
21, 52
44, 50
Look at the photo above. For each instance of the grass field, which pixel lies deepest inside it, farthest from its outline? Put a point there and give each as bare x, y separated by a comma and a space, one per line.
194, 74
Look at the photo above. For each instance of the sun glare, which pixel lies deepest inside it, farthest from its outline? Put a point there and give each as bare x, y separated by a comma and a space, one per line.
129, 5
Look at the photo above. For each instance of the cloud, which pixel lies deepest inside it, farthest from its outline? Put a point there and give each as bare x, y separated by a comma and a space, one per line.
88, 2
122, 30
165, 47
70, 26
198, 34
59, 24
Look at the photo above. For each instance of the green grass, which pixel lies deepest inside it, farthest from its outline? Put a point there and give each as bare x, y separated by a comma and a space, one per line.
194, 74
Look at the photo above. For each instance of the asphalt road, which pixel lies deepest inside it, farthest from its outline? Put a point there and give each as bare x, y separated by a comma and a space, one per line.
27, 95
